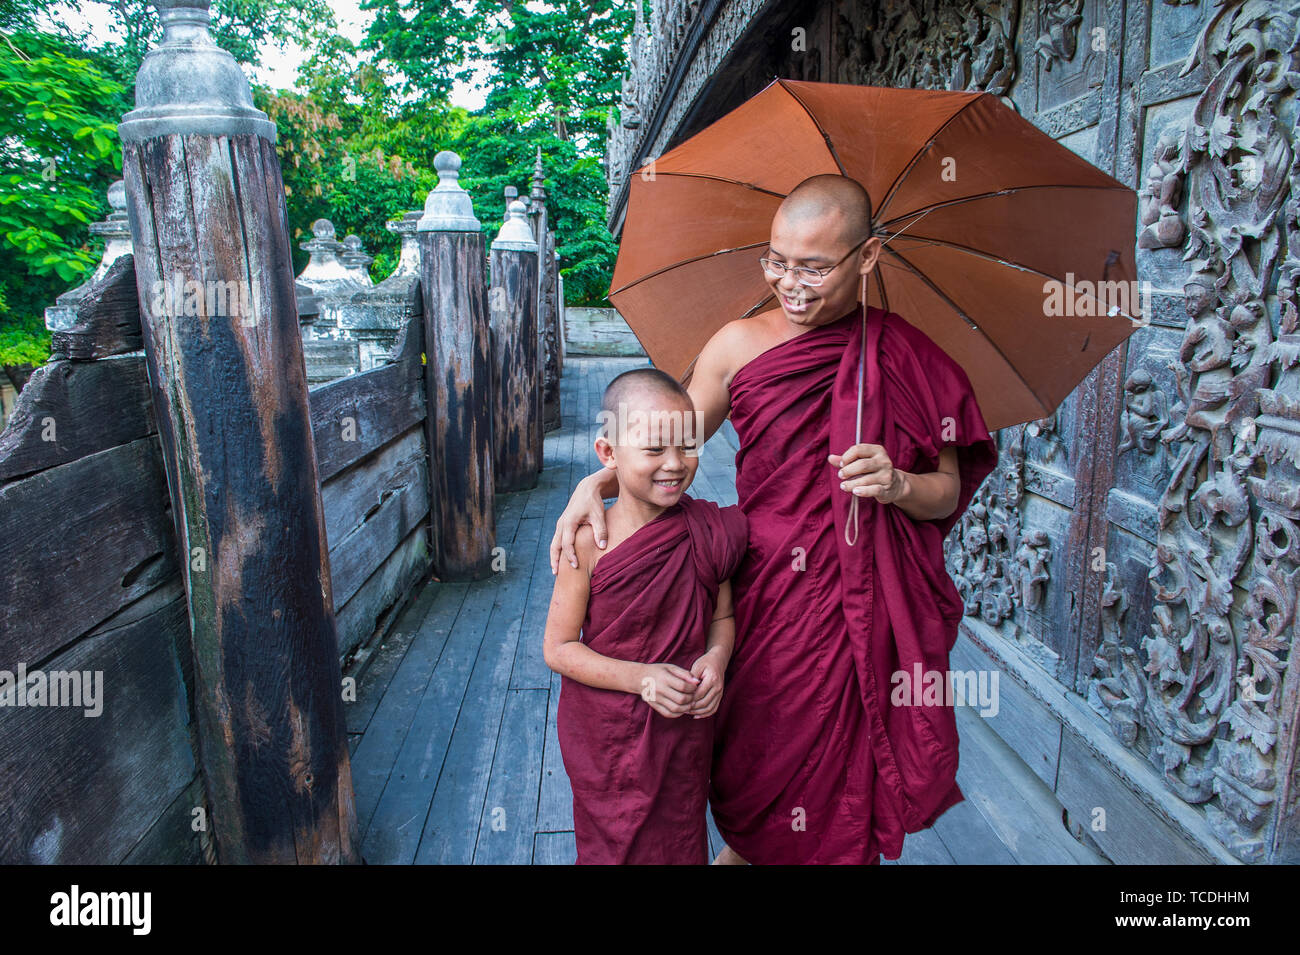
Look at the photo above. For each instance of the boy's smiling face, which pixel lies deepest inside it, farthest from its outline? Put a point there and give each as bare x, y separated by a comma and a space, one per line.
652, 447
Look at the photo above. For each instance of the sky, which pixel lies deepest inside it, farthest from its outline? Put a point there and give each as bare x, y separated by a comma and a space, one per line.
278, 66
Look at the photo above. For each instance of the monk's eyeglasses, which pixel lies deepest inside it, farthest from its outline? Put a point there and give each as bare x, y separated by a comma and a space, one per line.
803, 274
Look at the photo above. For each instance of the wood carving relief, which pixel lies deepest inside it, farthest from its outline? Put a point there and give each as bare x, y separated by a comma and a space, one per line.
1200, 698
929, 44
1060, 37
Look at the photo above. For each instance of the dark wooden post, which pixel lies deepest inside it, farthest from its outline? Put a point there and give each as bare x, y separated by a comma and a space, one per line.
220, 329
458, 378
548, 326
516, 391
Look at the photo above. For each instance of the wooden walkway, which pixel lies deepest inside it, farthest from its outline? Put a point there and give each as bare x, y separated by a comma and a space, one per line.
455, 758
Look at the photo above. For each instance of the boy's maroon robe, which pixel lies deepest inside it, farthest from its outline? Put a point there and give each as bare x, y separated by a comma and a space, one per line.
811, 762
641, 780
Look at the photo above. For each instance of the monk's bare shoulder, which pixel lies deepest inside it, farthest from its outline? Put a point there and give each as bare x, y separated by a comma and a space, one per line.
736, 344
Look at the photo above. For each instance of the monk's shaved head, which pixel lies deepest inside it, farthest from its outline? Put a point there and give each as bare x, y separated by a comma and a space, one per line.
843, 199
647, 385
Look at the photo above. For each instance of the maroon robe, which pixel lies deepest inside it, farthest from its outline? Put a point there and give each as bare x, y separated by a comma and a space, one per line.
812, 764
641, 780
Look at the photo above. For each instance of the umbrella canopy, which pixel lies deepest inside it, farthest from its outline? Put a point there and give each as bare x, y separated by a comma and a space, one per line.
1005, 233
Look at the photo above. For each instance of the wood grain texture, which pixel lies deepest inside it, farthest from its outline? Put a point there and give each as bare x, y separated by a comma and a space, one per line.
70, 410
458, 383
516, 371
85, 789
60, 577
370, 508
107, 320
230, 396
401, 570
353, 416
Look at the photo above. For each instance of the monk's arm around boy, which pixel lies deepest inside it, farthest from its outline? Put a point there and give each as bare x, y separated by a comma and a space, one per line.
667, 689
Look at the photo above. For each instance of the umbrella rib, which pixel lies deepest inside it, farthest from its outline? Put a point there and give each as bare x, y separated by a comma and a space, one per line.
734, 182
694, 258
935, 289
759, 304
943, 295
992, 195
825, 135
916, 157
989, 257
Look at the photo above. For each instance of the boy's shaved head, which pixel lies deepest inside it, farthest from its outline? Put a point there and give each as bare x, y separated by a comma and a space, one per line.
644, 383
647, 407
840, 196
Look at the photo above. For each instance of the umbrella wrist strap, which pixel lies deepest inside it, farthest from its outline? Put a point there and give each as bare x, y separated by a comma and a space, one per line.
852, 520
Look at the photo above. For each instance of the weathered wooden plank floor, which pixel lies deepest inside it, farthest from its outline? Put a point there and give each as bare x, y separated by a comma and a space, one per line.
455, 757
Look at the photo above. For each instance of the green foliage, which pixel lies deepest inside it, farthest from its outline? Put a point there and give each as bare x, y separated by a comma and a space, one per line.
357, 135
241, 27
24, 341
345, 151
59, 105
62, 94
553, 74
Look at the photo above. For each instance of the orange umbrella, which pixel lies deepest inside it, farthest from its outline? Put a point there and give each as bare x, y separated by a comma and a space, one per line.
1012, 253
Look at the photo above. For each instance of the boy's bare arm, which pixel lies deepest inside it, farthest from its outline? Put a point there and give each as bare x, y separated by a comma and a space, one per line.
711, 667
673, 688
722, 631
561, 648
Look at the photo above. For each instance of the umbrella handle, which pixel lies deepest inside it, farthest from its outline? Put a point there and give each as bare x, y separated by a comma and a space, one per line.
857, 433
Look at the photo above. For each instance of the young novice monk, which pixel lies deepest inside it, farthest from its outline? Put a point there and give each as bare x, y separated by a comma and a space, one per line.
645, 676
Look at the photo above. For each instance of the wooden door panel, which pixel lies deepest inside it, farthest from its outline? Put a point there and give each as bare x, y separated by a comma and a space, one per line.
1196, 578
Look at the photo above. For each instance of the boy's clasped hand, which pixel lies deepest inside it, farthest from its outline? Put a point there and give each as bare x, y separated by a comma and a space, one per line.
672, 692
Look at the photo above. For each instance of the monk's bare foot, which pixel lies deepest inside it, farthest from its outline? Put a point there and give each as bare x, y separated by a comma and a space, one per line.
729, 856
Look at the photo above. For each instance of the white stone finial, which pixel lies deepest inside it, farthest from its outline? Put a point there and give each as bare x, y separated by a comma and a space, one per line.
188, 84
116, 231
448, 207
323, 270
408, 261
538, 193
515, 234
356, 260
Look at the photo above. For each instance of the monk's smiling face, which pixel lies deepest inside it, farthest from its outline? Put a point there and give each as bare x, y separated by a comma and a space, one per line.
653, 450
824, 220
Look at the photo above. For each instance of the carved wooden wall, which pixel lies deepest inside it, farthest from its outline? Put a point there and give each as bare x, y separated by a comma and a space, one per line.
1142, 545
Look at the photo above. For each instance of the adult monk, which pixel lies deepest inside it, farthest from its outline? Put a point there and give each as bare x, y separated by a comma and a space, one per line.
843, 585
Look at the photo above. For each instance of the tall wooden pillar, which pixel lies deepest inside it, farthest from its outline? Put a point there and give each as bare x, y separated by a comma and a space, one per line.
458, 378
220, 328
547, 314
516, 388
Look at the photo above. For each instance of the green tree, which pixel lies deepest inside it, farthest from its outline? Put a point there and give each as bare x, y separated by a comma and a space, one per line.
553, 73
241, 27
57, 118
345, 149
62, 93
